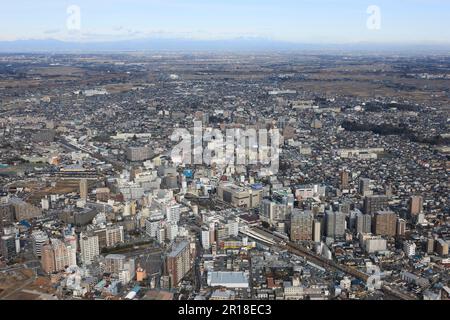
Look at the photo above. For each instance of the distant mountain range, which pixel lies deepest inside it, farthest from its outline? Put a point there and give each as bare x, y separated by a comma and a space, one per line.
244, 44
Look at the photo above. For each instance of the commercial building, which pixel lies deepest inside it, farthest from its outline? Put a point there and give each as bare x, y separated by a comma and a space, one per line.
239, 197
226, 279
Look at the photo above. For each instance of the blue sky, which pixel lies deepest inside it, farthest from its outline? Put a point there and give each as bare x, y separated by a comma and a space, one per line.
312, 21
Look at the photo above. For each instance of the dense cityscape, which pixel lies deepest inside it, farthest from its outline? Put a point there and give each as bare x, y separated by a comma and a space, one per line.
95, 206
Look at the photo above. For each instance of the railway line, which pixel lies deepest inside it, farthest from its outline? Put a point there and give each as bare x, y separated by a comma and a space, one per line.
300, 251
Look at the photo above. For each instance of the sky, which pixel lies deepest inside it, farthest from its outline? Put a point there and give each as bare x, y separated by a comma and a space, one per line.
299, 21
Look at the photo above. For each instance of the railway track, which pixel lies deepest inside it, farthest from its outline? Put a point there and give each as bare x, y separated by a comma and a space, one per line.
305, 253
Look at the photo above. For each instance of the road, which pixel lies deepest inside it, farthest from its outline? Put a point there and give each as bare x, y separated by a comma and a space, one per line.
7, 294
116, 165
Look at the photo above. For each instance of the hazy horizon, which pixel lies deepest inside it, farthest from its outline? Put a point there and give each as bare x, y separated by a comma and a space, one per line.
403, 22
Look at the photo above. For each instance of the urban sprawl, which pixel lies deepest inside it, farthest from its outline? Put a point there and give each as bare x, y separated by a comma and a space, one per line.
93, 204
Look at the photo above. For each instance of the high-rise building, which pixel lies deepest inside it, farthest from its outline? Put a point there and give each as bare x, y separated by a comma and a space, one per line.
212, 233
89, 246
205, 239
430, 245
302, 226
363, 223
56, 256
48, 259
161, 235
38, 239
415, 205
114, 263
171, 231
385, 223
442, 247
109, 236
24, 210
173, 213
409, 248
401, 227
364, 187
178, 262
317, 231
9, 245
373, 204
335, 222
84, 189
232, 228
344, 175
